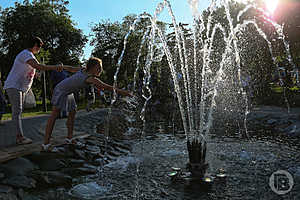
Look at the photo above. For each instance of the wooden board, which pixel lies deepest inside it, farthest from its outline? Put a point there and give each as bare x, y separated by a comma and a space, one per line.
14, 152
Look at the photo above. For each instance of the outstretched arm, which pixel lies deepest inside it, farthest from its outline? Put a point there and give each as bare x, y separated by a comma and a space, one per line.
33, 63
71, 69
103, 86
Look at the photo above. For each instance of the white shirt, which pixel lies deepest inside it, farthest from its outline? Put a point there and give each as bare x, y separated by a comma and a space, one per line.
21, 75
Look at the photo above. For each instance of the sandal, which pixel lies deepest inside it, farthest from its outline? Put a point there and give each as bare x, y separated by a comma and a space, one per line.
23, 140
72, 142
49, 148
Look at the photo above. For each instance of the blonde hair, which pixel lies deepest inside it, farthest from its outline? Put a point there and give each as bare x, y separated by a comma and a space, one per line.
92, 62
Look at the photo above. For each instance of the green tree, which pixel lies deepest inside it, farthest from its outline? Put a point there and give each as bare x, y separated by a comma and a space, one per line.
108, 39
44, 18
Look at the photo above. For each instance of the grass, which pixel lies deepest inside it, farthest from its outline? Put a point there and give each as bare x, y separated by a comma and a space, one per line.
37, 111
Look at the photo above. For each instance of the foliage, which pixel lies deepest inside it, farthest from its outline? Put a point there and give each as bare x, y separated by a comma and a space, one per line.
44, 18
48, 19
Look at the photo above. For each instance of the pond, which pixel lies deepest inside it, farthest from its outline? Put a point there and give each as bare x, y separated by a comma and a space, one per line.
248, 164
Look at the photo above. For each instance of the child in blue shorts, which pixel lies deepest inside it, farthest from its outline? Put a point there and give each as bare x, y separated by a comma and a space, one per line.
63, 95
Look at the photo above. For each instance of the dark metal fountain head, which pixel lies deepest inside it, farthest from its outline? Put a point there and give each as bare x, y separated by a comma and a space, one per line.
197, 155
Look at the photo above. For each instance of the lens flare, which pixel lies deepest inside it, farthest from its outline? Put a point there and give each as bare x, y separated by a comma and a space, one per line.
271, 5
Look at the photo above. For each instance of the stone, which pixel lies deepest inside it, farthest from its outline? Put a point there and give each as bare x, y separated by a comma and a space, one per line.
19, 166
79, 171
80, 154
99, 162
21, 193
53, 178
2, 176
38, 157
30, 197
88, 190
20, 182
293, 129
93, 148
76, 163
52, 165
5, 189
8, 197
271, 121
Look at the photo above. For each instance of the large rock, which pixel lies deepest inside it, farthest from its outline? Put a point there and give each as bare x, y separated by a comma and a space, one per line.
81, 171
20, 182
52, 165
5, 189
89, 190
8, 197
2, 176
293, 129
53, 178
19, 166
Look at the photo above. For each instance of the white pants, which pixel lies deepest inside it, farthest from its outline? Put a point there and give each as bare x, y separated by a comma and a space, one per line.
16, 98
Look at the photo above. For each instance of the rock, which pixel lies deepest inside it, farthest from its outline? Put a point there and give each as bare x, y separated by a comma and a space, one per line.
20, 182
53, 178
80, 154
8, 197
19, 166
79, 171
76, 163
21, 193
93, 142
88, 190
99, 162
52, 165
93, 148
90, 166
293, 129
30, 197
38, 157
271, 121
244, 156
2, 176
5, 189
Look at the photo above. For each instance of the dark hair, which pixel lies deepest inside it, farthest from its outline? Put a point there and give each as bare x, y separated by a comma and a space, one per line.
35, 41
92, 62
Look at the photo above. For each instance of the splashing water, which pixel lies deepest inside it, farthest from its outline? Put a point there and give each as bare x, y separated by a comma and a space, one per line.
202, 82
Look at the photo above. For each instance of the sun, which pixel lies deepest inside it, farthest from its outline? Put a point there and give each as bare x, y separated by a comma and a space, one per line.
271, 5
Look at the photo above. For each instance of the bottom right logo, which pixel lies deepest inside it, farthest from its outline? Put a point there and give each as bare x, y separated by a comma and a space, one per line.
281, 182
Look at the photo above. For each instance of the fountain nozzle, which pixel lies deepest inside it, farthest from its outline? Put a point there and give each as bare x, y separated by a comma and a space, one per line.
197, 155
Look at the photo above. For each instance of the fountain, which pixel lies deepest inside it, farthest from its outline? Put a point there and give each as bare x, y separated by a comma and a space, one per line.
202, 82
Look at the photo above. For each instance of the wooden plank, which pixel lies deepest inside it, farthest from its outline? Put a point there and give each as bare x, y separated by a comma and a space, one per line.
11, 153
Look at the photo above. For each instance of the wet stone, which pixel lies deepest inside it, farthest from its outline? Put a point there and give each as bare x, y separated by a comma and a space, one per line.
52, 165
76, 163
8, 197
20, 182
80, 154
92, 148
86, 170
88, 190
12, 168
53, 178
2, 175
5, 189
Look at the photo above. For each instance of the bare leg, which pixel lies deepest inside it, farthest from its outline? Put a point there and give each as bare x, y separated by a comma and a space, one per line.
50, 124
70, 123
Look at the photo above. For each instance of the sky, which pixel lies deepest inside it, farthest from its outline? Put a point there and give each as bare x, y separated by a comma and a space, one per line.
85, 13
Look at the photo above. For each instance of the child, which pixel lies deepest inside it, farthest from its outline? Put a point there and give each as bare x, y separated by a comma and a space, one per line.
62, 95
56, 78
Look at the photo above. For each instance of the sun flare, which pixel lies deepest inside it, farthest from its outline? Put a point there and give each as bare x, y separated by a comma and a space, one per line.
271, 5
